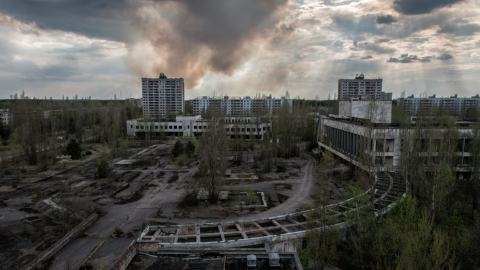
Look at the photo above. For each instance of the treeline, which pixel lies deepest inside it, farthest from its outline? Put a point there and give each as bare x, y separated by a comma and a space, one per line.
40, 127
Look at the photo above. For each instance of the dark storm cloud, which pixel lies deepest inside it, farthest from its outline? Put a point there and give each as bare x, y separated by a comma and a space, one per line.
382, 40
103, 19
352, 26
444, 57
190, 37
460, 29
410, 58
406, 58
413, 7
387, 19
419, 40
368, 46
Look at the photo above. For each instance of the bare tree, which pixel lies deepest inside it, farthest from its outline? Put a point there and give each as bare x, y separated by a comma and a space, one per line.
214, 147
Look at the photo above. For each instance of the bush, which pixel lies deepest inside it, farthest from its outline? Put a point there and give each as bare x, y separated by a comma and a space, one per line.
190, 199
181, 161
88, 153
4, 143
103, 169
177, 149
281, 168
74, 149
190, 148
8, 172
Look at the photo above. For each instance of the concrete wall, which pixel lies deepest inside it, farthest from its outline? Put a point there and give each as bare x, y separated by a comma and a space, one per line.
126, 258
345, 108
375, 111
50, 252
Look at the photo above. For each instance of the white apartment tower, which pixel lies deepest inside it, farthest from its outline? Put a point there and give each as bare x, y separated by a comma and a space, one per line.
361, 88
162, 95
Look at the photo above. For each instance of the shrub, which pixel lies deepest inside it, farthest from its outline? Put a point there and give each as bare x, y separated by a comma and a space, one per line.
181, 161
4, 143
190, 148
8, 172
103, 169
190, 199
74, 149
281, 168
177, 149
88, 153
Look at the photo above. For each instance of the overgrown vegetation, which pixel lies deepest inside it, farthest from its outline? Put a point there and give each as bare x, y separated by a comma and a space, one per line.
40, 128
437, 226
103, 169
74, 149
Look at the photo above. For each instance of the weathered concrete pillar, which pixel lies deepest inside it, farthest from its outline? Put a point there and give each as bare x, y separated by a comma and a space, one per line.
221, 232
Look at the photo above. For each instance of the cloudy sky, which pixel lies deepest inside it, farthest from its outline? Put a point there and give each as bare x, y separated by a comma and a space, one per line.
100, 48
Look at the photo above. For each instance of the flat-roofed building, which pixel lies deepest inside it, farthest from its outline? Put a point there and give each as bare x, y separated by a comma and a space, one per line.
161, 96
250, 128
361, 88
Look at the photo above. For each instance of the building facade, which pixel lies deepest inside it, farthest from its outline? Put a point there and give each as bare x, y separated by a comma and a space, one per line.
4, 116
383, 143
250, 128
424, 106
161, 96
238, 106
361, 88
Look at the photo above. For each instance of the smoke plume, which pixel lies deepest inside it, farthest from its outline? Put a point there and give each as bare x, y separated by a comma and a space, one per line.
190, 38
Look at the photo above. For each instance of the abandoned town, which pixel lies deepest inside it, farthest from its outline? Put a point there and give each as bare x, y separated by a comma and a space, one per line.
239, 134
260, 182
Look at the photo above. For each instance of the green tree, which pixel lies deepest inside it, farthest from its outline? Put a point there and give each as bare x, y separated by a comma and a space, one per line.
103, 169
74, 149
190, 148
281, 168
177, 149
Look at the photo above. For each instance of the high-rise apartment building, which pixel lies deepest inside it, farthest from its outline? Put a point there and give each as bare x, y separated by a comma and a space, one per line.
361, 88
233, 106
424, 106
161, 96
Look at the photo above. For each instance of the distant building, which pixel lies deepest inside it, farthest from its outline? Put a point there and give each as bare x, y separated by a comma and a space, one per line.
424, 106
238, 106
161, 96
4, 116
361, 88
250, 128
135, 101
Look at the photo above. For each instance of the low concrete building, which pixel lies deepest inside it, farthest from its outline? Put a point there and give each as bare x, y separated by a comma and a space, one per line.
194, 126
383, 142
